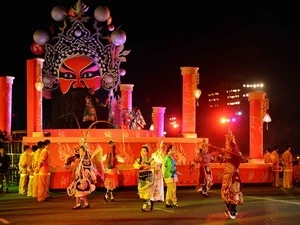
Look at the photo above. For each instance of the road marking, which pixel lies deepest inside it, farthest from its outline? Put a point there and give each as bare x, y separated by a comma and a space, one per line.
274, 200
165, 210
4, 221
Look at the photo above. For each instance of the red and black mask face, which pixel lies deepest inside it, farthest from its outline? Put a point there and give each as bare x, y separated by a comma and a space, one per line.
79, 72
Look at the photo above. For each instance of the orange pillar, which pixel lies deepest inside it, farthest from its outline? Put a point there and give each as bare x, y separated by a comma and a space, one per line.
189, 84
34, 98
257, 102
158, 121
6, 103
126, 98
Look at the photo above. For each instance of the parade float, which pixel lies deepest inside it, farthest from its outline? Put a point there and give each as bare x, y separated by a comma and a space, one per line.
82, 52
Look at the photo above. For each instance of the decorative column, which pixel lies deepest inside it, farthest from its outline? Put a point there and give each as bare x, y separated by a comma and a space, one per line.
257, 110
6, 103
126, 95
34, 98
39, 98
158, 121
126, 98
189, 85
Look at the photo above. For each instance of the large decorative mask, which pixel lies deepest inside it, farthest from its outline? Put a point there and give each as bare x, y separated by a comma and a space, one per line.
83, 51
79, 72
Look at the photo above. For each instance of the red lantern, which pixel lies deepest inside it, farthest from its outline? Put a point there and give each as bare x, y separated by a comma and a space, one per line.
37, 49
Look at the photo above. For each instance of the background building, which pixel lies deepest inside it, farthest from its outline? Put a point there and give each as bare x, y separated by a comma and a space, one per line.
226, 105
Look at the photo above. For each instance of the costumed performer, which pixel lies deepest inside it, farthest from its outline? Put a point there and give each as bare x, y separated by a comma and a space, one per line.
144, 165
158, 182
84, 179
171, 178
205, 177
111, 172
231, 190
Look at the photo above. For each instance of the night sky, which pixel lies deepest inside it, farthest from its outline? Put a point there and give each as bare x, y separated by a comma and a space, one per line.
253, 39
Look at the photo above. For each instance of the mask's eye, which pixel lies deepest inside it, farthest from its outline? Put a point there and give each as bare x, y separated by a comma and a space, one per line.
68, 76
88, 75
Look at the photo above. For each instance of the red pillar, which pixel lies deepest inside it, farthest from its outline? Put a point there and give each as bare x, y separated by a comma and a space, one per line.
126, 95
158, 121
189, 84
6, 103
126, 98
257, 102
34, 98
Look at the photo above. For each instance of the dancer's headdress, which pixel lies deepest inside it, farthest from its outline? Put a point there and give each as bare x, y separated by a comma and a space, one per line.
146, 146
111, 142
83, 142
229, 136
76, 149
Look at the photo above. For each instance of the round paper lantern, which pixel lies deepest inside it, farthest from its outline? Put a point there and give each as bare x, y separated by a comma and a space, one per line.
37, 49
101, 13
47, 94
41, 37
111, 27
118, 37
122, 72
58, 13
47, 80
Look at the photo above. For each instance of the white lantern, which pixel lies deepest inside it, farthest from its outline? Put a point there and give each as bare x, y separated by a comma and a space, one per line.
151, 127
59, 13
101, 13
267, 119
118, 37
41, 37
197, 94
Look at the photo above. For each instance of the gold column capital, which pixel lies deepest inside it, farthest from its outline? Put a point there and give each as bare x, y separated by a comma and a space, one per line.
256, 95
158, 109
189, 70
126, 87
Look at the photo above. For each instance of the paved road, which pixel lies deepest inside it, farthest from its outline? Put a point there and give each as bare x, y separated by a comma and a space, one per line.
263, 206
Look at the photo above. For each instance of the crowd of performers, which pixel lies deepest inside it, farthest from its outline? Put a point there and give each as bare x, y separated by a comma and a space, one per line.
34, 170
86, 169
155, 171
120, 118
231, 189
282, 164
